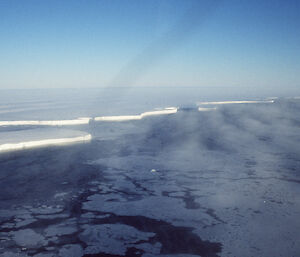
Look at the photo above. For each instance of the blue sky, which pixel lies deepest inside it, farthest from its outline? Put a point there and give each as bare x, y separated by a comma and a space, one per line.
54, 44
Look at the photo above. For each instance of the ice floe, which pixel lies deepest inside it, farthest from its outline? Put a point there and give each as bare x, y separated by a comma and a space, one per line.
86, 120
28, 238
236, 102
32, 138
79, 121
202, 109
120, 118
169, 110
71, 250
112, 238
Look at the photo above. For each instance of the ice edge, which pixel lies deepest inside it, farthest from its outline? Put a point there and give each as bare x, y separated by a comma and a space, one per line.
43, 143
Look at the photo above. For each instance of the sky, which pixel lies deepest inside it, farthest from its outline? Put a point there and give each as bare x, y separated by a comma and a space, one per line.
154, 43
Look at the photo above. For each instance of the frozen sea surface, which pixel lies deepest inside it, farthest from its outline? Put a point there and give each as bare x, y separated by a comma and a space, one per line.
211, 179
